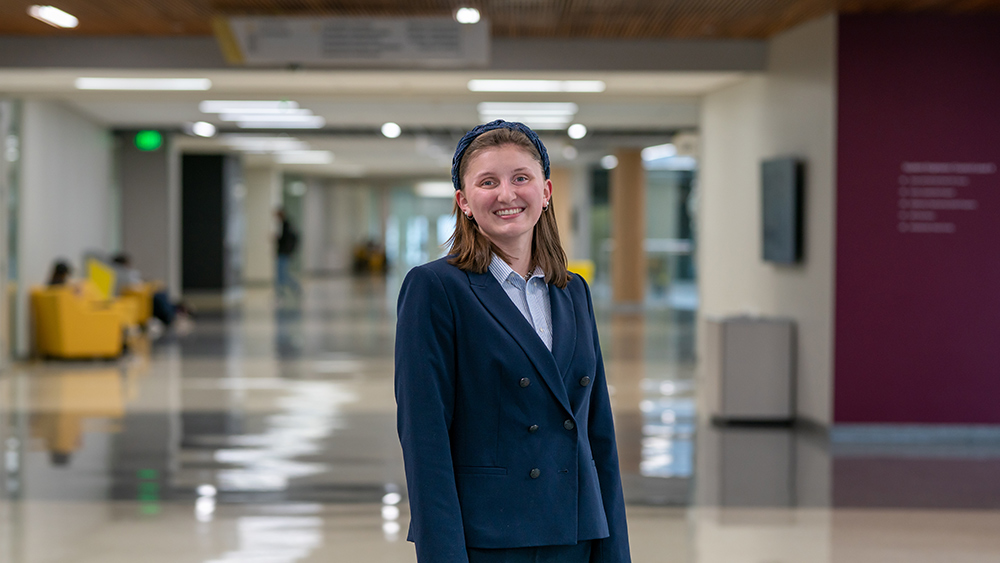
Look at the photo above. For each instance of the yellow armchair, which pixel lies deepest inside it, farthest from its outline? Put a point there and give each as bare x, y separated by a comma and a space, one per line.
68, 325
128, 309
141, 296
585, 268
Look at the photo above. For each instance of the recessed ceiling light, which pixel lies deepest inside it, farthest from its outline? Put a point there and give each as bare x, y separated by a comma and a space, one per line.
203, 129
467, 15
391, 130
577, 131
609, 162
247, 106
187, 84
53, 16
569, 152
536, 85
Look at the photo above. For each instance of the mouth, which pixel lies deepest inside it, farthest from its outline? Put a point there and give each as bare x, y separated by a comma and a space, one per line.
509, 212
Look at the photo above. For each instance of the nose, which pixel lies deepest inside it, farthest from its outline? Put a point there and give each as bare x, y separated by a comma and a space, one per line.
505, 192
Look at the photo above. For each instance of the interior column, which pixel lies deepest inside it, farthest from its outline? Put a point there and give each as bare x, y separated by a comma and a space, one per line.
628, 228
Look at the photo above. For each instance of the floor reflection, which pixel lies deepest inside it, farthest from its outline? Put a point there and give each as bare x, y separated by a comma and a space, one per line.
267, 434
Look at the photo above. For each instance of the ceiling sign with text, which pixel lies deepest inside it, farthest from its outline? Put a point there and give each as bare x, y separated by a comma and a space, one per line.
426, 42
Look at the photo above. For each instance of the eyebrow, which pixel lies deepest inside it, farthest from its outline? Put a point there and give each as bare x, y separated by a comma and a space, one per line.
492, 173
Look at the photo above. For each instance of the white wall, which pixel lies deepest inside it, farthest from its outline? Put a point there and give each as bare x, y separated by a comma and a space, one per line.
66, 198
788, 111
263, 197
336, 217
319, 252
149, 210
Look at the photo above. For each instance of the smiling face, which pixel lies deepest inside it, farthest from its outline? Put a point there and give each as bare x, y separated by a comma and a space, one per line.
505, 191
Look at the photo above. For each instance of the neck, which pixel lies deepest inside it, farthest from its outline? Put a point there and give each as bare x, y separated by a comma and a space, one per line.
520, 256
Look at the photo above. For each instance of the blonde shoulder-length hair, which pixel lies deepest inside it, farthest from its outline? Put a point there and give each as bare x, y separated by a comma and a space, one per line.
471, 250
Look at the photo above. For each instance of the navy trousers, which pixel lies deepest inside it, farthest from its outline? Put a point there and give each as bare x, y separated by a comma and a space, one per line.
579, 553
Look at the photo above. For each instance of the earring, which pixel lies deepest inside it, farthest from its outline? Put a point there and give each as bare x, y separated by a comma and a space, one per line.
545, 207
468, 216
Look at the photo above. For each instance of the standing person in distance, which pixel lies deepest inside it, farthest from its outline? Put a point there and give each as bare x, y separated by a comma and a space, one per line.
503, 408
287, 244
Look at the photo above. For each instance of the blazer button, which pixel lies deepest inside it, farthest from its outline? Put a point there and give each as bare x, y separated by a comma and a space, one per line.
533, 428
568, 425
534, 473
585, 381
524, 382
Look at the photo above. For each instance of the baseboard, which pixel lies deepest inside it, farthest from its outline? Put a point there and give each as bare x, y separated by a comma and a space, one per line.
915, 434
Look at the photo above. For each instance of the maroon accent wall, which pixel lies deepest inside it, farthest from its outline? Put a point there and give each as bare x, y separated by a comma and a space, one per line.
918, 220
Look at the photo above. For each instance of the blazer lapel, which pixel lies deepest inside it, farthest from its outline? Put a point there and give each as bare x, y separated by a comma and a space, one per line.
493, 298
563, 328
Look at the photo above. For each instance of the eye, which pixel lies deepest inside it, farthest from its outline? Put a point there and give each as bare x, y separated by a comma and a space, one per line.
487, 183
520, 178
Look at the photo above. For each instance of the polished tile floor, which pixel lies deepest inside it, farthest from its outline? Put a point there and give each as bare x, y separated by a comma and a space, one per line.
267, 435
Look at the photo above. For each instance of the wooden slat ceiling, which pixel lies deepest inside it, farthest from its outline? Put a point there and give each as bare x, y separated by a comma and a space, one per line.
620, 19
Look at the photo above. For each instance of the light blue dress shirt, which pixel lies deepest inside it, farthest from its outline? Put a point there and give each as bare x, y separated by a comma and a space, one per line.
530, 296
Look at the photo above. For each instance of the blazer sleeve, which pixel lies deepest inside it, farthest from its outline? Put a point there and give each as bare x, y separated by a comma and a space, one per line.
425, 399
614, 548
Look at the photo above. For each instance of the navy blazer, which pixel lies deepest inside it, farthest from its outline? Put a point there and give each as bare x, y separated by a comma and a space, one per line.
505, 443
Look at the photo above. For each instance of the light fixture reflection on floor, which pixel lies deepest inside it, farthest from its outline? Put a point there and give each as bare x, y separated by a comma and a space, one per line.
391, 531
390, 512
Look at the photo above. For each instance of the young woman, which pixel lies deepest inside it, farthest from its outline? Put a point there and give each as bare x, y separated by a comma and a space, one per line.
503, 408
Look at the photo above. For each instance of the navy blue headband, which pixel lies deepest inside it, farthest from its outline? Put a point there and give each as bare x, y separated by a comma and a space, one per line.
456, 161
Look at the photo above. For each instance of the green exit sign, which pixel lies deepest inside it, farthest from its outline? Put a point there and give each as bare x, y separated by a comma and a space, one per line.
148, 140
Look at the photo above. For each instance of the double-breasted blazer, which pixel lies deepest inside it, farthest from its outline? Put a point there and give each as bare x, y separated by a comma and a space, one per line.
505, 444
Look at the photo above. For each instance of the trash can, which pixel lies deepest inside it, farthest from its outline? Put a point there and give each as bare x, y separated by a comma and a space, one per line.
749, 370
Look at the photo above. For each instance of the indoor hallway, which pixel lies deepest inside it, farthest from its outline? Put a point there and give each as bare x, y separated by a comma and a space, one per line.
267, 435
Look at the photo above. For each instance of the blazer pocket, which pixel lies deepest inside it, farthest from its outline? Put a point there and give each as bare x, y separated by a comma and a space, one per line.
477, 470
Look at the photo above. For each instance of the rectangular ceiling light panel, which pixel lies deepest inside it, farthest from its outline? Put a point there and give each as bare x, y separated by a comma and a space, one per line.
159, 84
304, 157
554, 108
53, 16
536, 85
247, 106
300, 115
535, 115
307, 122
259, 144
434, 189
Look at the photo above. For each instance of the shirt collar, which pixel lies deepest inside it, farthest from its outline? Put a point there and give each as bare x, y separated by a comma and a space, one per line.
502, 271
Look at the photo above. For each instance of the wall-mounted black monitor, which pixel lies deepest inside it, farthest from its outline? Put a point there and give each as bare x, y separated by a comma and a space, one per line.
782, 194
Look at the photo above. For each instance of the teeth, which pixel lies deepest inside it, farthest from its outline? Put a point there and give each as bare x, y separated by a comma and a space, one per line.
504, 212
